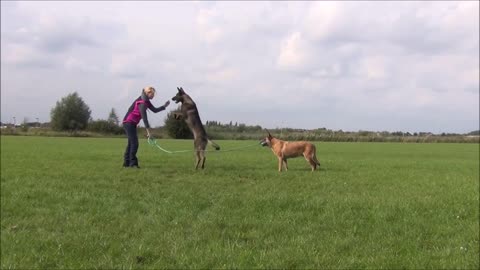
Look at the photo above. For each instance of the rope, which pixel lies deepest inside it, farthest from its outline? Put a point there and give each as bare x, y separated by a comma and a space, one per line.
153, 142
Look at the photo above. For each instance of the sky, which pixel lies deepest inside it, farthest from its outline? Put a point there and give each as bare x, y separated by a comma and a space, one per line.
346, 65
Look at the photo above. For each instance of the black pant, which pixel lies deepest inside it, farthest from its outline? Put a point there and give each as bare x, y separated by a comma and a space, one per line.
130, 156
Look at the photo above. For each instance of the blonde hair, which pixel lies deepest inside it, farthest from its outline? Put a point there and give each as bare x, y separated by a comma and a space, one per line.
149, 89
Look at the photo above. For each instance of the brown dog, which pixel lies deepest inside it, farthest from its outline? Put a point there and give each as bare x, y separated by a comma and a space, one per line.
284, 150
189, 113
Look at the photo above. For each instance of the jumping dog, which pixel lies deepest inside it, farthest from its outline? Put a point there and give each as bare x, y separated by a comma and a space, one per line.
189, 113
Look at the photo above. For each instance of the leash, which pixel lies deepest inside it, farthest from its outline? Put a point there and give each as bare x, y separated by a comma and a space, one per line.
153, 142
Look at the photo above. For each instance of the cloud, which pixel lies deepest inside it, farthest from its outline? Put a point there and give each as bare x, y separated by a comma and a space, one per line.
222, 76
24, 56
322, 19
209, 32
128, 66
76, 64
58, 34
56, 41
294, 52
374, 67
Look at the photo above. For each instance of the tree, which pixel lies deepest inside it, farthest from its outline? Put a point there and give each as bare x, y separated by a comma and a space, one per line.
105, 127
474, 133
113, 118
177, 128
241, 128
70, 113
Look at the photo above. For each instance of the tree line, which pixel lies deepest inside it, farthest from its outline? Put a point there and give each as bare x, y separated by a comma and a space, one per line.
71, 116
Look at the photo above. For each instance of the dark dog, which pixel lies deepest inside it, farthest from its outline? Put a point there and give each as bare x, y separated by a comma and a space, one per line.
284, 150
189, 113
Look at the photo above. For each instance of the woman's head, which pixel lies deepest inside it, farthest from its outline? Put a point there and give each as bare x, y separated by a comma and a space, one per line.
149, 91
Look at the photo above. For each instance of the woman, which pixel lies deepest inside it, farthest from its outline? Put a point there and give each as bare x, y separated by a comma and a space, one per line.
137, 111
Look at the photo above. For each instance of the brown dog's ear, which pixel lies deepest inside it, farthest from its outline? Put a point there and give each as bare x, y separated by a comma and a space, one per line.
180, 90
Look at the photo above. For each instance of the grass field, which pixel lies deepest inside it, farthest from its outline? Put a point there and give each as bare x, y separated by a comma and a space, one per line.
67, 203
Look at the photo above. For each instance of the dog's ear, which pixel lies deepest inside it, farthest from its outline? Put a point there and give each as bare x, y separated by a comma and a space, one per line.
180, 90
269, 135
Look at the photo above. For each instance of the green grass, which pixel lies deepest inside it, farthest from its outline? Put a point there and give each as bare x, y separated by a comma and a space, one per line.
67, 203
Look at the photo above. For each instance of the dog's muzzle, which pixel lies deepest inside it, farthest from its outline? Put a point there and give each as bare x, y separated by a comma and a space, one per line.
263, 143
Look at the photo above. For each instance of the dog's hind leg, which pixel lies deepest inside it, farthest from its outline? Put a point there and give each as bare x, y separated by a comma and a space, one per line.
313, 164
311, 161
204, 158
285, 164
197, 159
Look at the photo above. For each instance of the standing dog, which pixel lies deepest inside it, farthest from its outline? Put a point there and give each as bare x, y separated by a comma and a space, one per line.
189, 113
284, 150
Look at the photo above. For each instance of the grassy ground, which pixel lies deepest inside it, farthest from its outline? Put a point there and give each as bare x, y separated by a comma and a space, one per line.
68, 203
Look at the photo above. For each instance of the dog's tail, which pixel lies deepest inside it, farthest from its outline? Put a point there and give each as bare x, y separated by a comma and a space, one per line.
314, 156
216, 146
315, 159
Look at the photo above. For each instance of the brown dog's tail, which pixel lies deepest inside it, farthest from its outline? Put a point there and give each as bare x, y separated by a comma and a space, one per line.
314, 156
216, 146
316, 160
